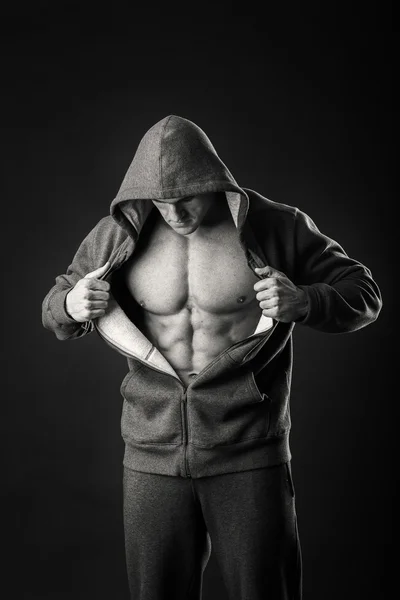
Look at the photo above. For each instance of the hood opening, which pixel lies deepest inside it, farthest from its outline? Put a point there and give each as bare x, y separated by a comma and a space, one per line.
174, 159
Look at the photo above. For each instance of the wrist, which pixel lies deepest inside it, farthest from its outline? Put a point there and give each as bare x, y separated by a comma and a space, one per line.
303, 305
66, 307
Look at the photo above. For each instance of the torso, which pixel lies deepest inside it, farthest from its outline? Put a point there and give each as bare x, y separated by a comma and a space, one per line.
194, 294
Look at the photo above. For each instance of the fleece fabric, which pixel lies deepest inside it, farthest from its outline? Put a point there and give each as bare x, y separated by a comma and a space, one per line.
235, 414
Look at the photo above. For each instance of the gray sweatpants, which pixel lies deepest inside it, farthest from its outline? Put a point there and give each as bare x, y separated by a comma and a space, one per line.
248, 519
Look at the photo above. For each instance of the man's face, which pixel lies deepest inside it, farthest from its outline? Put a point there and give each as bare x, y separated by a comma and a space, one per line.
185, 215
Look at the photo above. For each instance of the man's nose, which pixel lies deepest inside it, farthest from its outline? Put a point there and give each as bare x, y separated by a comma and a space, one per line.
176, 212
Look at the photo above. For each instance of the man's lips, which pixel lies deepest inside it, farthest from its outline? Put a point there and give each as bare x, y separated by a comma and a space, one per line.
179, 223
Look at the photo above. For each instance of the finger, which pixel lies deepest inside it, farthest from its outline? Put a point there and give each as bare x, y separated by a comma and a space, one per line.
272, 313
266, 294
268, 304
95, 304
94, 314
265, 284
97, 295
269, 272
96, 284
98, 272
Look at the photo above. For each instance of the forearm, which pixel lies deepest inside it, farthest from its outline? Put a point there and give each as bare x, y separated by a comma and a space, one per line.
342, 294
56, 318
345, 306
54, 314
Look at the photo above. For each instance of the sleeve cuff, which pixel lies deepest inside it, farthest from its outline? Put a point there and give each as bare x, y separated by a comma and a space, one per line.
58, 309
313, 315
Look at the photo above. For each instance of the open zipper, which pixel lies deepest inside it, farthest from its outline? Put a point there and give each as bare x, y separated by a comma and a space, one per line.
185, 422
128, 354
117, 262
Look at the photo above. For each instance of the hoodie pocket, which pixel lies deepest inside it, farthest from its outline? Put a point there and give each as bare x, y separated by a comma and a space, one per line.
127, 377
289, 479
260, 396
151, 412
230, 410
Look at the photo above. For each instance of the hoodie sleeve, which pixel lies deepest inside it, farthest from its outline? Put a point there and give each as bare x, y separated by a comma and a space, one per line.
342, 295
54, 314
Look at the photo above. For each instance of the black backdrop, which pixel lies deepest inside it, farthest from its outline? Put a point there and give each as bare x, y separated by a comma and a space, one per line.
299, 104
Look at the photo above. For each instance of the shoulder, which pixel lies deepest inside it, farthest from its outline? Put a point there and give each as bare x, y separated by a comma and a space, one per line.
265, 211
108, 232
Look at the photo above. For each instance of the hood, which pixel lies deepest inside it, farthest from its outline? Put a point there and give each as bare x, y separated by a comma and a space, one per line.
174, 159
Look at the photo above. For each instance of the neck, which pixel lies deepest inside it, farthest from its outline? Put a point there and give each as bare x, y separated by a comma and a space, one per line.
218, 214
217, 218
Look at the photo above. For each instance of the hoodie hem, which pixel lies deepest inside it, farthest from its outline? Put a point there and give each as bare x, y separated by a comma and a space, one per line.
205, 462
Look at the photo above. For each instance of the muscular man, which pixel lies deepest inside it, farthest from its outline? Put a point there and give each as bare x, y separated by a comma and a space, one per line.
199, 283
197, 296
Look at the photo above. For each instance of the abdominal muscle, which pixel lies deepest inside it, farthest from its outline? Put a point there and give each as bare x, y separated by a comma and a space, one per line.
194, 297
192, 338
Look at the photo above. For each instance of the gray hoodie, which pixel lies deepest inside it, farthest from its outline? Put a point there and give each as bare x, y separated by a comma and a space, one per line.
234, 415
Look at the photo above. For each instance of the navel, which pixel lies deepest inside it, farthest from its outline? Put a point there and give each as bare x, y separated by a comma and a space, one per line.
241, 299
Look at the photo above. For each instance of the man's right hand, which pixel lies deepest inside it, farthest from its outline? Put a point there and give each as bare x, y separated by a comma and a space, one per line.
89, 298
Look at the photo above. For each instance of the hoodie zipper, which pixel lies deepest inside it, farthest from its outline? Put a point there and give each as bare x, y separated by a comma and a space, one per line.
185, 421
184, 410
185, 435
117, 264
150, 366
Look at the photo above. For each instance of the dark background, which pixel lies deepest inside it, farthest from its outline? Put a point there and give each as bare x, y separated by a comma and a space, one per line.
299, 104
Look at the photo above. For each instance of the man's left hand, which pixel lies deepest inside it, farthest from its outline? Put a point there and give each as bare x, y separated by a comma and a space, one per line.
278, 297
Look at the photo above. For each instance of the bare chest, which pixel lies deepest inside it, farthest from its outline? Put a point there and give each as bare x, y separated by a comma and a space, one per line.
168, 272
